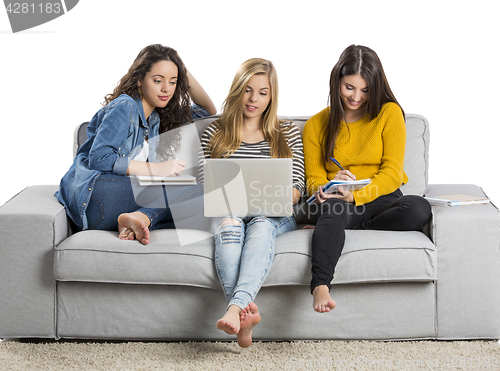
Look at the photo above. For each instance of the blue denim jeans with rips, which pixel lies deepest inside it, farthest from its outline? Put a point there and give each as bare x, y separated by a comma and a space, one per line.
244, 253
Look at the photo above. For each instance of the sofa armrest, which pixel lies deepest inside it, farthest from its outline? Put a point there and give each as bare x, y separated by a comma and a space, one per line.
467, 240
32, 223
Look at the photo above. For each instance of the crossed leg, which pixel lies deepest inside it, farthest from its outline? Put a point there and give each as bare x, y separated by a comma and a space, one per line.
249, 318
134, 226
230, 323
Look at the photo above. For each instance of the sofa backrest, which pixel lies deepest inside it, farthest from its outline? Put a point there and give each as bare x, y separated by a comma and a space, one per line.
416, 154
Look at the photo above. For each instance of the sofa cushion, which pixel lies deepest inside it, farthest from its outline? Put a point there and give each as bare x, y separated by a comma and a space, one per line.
368, 256
416, 155
100, 256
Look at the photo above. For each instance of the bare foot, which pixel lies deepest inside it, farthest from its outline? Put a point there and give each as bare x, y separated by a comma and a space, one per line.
134, 226
230, 323
249, 317
125, 233
322, 301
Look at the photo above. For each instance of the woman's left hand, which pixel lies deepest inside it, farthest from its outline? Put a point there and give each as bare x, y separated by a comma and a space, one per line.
341, 194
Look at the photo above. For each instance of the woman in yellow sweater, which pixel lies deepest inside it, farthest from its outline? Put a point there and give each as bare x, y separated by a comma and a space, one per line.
364, 130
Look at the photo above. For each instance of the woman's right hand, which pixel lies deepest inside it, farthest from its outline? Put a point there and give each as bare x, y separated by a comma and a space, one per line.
344, 175
340, 193
169, 168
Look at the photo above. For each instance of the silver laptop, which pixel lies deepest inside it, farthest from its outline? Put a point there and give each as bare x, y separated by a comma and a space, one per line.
248, 187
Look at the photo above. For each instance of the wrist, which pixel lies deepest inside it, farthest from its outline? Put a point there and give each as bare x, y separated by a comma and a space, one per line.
151, 168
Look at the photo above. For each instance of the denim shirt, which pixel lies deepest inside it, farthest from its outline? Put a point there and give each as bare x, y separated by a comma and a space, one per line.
116, 135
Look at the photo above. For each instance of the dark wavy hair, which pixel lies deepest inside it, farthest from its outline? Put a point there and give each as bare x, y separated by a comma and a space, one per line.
354, 60
178, 110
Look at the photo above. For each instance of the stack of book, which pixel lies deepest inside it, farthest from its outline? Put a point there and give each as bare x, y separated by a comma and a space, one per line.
456, 200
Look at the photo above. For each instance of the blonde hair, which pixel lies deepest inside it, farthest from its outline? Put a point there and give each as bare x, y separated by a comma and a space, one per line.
227, 137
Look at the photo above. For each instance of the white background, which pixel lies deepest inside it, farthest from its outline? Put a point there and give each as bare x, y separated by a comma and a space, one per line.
440, 57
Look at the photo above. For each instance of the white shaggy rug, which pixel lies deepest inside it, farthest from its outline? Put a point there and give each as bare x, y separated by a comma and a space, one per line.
324, 355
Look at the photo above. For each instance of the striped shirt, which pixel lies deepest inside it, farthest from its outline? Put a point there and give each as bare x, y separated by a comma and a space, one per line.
262, 149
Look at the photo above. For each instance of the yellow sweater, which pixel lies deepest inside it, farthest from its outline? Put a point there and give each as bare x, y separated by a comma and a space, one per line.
369, 149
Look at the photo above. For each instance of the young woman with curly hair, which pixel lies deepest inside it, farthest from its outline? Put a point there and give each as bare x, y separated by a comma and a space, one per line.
124, 139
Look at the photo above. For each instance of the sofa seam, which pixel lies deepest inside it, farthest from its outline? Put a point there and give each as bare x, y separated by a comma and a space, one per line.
108, 282
133, 253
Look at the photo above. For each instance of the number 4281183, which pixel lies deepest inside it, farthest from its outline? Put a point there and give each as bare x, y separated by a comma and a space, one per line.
32, 8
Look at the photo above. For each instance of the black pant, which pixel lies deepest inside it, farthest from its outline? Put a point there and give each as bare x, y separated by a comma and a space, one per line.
390, 212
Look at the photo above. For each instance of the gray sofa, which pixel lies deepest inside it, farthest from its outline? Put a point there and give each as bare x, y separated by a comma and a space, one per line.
441, 283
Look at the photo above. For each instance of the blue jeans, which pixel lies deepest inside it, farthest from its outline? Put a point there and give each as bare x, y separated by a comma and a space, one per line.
244, 254
114, 195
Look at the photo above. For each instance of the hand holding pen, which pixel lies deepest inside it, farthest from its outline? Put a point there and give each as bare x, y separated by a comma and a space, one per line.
344, 195
343, 174
173, 167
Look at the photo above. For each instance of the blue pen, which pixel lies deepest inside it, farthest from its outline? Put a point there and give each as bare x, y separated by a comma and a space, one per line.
337, 163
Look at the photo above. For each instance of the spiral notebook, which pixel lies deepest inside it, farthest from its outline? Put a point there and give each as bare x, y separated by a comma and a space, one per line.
348, 185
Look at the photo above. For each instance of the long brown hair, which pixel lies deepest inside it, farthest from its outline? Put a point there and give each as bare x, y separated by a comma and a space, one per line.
354, 60
178, 110
227, 137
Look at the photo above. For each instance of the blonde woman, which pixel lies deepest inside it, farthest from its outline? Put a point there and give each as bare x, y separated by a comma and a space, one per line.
244, 252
